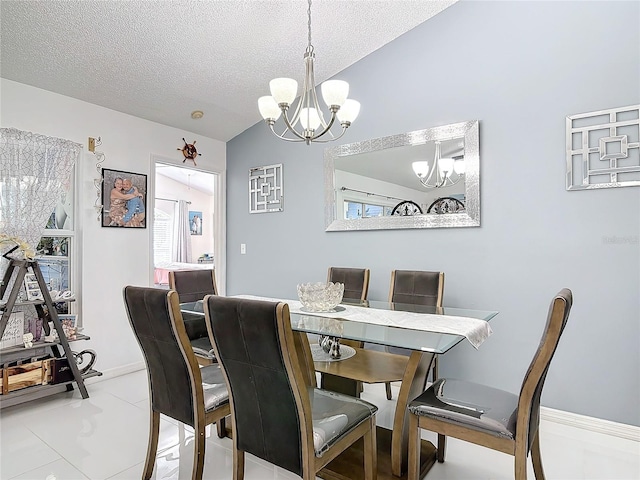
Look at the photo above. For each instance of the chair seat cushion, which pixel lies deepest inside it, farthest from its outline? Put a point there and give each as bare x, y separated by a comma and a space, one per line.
202, 347
334, 415
214, 386
470, 405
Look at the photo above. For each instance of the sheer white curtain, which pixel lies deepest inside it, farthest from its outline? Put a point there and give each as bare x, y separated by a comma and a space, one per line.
182, 233
33, 170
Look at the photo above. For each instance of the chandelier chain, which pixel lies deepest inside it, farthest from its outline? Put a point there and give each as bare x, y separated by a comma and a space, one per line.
309, 23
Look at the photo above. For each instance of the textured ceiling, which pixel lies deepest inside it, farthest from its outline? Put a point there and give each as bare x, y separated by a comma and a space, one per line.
160, 60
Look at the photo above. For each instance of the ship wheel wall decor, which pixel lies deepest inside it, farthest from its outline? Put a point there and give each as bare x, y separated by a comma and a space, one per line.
189, 151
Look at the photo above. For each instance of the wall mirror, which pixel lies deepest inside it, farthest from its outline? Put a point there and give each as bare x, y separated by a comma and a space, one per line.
395, 182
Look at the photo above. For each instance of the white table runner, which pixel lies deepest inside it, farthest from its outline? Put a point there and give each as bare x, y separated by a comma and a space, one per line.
474, 330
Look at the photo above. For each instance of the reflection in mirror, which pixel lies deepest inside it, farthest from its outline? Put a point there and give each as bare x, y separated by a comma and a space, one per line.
423, 179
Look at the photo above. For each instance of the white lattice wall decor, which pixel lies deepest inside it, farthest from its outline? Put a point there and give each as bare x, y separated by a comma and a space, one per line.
266, 192
603, 149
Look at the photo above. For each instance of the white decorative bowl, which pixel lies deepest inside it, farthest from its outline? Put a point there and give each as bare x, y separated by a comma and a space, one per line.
320, 297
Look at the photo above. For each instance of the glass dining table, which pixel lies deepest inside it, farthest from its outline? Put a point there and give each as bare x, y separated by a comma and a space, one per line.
366, 322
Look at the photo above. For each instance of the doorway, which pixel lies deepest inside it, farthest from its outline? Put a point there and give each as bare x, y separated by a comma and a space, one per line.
187, 216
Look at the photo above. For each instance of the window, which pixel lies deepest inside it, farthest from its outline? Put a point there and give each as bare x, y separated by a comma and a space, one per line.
162, 237
364, 210
56, 251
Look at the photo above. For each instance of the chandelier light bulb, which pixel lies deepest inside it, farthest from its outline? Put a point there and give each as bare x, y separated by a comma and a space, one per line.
334, 92
446, 166
421, 169
348, 112
459, 166
309, 118
283, 90
269, 108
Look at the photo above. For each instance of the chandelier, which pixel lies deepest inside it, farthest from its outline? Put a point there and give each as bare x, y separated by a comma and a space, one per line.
307, 124
443, 173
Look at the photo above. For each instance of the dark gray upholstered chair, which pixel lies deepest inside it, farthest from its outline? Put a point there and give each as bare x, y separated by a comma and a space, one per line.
356, 282
193, 285
415, 287
487, 416
178, 387
275, 414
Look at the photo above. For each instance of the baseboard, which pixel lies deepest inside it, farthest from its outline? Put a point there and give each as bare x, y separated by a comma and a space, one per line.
621, 430
116, 372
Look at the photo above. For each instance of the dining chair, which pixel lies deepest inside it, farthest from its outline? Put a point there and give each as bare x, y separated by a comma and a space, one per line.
276, 414
487, 416
415, 287
355, 280
178, 387
193, 285
356, 289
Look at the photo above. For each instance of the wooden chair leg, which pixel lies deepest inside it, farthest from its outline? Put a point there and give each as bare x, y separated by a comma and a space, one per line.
238, 464
536, 458
388, 388
198, 452
371, 452
221, 428
152, 448
520, 463
442, 447
413, 465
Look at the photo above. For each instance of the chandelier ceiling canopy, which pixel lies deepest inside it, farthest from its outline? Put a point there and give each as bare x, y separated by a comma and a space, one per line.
307, 124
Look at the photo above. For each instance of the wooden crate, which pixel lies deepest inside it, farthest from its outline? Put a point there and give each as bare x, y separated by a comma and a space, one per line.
26, 375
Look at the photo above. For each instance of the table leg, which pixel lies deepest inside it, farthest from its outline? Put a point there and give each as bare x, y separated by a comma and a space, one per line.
413, 384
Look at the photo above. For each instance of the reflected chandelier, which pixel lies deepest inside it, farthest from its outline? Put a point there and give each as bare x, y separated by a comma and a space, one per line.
444, 172
312, 124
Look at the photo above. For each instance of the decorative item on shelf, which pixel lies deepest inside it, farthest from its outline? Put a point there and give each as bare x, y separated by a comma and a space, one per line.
27, 339
32, 288
443, 172
285, 90
85, 364
603, 149
189, 151
69, 325
320, 297
266, 189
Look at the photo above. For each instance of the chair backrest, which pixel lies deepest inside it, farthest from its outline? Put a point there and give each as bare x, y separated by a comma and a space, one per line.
417, 287
270, 405
356, 281
193, 285
531, 390
174, 376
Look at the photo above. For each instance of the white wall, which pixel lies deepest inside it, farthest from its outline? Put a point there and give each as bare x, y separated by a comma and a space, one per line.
111, 257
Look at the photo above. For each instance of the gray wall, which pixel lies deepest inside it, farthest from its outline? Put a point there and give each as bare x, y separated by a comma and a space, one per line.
520, 68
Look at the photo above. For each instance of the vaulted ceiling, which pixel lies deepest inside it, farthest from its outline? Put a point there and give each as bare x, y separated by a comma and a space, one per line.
161, 60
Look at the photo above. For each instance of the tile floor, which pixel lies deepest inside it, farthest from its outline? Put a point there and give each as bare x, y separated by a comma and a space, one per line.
105, 437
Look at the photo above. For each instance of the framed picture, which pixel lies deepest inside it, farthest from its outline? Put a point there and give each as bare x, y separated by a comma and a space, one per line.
69, 325
124, 196
31, 287
195, 223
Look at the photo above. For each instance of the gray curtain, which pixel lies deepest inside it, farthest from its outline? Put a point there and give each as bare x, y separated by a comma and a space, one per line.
182, 234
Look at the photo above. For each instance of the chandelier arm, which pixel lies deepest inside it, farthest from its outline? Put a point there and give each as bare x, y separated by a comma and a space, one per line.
290, 127
344, 129
282, 137
327, 127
